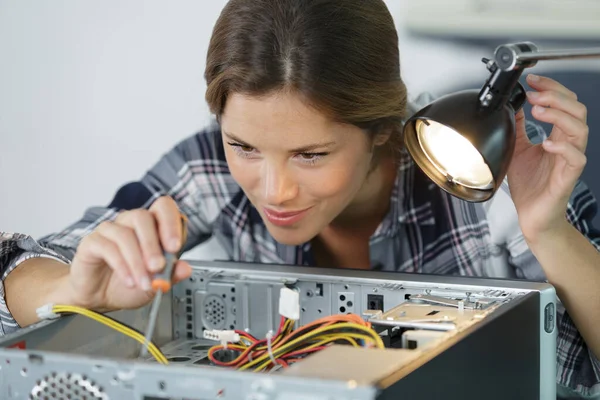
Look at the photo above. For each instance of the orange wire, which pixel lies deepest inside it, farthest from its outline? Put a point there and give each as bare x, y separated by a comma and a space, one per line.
282, 337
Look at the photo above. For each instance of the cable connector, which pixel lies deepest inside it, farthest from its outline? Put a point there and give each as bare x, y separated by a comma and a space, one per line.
45, 312
289, 303
222, 336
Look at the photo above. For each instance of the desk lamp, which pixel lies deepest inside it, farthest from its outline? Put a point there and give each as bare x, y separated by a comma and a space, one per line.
464, 141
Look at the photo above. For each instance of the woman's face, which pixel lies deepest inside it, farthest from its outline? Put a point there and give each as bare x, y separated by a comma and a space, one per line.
298, 168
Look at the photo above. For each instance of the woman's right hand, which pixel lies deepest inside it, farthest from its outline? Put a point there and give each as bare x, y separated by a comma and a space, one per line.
113, 265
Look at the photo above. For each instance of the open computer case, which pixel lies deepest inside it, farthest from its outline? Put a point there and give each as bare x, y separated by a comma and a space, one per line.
445, 337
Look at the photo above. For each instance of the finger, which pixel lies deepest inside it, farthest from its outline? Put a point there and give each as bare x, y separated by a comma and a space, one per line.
576, 130
544, 83
101, 248
145, 228
522, 142
168, 217
127, 242
558, 101
182, 271
574, 158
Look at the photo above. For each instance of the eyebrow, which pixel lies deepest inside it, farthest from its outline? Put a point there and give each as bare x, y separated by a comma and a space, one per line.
303, 149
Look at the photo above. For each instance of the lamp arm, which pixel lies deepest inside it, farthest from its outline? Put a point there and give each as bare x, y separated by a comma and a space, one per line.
510, 57
560, 54
503, 87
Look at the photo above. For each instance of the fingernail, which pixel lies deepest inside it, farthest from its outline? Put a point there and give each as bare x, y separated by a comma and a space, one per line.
145, 283
157, 263
539, 109
129, 282
533, 95
174, 245
548, 143
533, 78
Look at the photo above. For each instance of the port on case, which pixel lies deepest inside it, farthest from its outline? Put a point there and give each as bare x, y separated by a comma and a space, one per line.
319, 290
375, 301
346, 302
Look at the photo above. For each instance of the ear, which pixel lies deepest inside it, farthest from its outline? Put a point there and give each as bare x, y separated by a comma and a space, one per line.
381, 138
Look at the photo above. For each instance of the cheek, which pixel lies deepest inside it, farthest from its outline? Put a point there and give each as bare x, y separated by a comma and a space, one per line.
246, 175
341, 180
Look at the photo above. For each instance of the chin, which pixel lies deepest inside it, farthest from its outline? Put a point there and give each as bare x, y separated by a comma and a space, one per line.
291, 237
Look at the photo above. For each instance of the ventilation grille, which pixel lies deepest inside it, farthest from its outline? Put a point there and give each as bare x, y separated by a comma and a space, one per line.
65, 386
214, 312
189, 314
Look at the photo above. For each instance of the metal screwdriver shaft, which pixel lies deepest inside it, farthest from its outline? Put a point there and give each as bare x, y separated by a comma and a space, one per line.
161, 284
151, 323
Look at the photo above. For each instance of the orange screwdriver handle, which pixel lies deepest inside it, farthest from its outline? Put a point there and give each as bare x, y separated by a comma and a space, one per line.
163, 280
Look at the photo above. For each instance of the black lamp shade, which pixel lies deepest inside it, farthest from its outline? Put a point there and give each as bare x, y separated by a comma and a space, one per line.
491, 131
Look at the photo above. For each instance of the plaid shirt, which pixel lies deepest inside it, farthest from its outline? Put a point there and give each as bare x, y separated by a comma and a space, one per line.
425, 231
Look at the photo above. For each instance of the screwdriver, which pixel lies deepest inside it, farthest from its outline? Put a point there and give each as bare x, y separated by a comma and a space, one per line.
161, 283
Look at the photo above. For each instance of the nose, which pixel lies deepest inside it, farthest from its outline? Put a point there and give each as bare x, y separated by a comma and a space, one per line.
279, 185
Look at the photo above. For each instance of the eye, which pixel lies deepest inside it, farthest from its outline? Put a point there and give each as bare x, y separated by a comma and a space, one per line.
311, 158
242, 149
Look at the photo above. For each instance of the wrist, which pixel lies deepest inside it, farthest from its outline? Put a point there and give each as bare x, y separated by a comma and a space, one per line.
62, 291
552, 233
69, 296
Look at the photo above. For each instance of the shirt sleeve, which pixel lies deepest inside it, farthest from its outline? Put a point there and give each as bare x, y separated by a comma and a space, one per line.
194, 173
578, 369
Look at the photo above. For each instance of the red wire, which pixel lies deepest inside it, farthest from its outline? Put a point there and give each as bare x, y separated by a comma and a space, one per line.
242, 358
284, 359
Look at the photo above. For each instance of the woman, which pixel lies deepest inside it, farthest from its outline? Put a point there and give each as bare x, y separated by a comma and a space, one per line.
305, 166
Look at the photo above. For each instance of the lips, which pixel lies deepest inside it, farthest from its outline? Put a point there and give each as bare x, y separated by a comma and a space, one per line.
283, 214
285, 218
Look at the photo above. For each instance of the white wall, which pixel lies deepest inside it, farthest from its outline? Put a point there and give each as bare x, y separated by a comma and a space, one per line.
92, 93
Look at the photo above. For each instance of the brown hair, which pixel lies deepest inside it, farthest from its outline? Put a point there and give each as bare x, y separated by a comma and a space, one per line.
341, 55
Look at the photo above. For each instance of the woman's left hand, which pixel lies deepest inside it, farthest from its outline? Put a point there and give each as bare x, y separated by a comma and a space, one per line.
542, 176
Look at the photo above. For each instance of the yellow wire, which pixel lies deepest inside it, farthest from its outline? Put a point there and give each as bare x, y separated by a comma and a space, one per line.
156, 353
115, 325
348, 337
284, 331
326, 339
318, 344
285, 347
329, 327
118, 327
335, 336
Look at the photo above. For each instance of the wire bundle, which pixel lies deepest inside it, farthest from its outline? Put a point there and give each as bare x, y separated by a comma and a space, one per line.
282, 348
111, 323
287, 345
